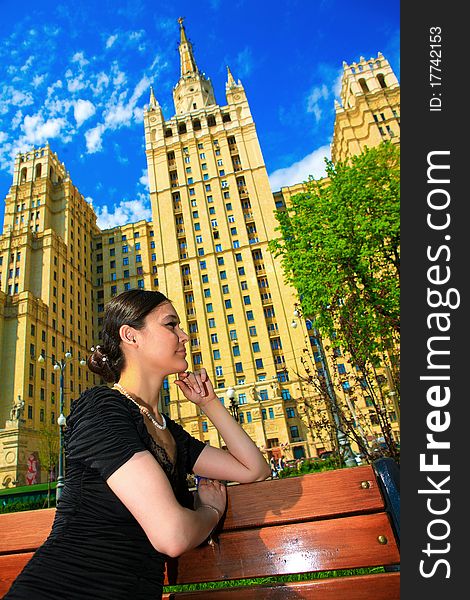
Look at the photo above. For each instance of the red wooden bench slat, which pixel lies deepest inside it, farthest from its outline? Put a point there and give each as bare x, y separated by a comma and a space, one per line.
343, 543
383, 586
10, 566
25, 530
331, 493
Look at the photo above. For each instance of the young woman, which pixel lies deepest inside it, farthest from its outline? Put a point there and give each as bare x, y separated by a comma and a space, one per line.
125, 505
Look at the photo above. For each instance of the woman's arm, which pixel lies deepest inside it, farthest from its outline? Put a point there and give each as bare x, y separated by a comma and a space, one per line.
243, 462
142, 486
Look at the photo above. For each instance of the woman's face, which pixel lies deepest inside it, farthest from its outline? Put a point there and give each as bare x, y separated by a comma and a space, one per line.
162, 341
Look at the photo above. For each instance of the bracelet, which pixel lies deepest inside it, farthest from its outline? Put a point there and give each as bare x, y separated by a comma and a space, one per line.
219, 515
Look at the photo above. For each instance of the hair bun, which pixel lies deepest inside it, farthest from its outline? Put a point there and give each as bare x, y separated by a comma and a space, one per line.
98, 362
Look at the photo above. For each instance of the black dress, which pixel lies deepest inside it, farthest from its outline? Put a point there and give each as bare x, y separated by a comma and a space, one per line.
96, 548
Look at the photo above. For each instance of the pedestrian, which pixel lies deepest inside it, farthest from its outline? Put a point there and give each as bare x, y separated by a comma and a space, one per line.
273, 466
126, 507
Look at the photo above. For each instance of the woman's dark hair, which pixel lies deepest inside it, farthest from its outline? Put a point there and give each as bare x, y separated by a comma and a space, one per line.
129, 308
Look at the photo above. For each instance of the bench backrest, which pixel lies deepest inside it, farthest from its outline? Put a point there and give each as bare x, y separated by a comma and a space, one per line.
317, 522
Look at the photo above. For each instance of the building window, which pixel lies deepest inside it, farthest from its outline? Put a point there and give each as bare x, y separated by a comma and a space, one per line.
249, 315
341, 369
219, 371
285, 394
216, 354
230, 319
249, 418
259, 363
294, 431
255, 346
209, 307
236, 350
205, 426
211, 323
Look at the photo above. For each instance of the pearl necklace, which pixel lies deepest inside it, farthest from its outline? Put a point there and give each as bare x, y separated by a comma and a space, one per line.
142, 409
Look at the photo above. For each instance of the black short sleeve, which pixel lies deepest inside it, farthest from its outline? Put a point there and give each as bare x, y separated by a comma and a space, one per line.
189, 446
102, 432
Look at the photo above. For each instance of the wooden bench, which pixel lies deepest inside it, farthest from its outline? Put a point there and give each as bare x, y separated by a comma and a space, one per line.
342, 519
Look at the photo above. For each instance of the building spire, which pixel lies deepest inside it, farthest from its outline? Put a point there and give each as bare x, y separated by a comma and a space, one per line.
230, 79
153, 101
188, 63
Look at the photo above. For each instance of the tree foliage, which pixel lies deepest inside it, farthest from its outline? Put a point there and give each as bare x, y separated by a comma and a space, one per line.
340, 248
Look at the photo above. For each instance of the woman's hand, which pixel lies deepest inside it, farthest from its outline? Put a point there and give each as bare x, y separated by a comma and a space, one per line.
197, 387
211, 491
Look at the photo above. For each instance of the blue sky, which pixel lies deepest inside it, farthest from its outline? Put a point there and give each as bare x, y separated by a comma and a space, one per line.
77, 74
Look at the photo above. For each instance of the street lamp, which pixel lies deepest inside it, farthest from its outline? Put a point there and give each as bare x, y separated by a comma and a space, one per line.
233, 407
341, 438
59, 365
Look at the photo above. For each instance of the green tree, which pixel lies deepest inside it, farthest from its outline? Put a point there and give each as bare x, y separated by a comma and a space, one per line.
48, 453
340, 249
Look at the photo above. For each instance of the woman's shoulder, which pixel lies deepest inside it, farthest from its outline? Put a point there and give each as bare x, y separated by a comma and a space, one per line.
99, 398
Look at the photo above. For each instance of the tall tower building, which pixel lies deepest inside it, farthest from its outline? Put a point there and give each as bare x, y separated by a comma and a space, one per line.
213, 215
46, 303
369, 112
206, 248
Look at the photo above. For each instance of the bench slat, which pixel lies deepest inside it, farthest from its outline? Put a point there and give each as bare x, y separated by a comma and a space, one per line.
10, 566
343, 543
25, 530
380, 586
319, 495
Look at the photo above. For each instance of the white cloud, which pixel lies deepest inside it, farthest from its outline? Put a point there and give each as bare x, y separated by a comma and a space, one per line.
37, 80
119, 78
17, 119
338, 84
118, 114
37, 130
244, 63
27, 64
110, 41
93, 137
127, 211
10, 95
79, 58
83, 110
313, 101
144, 179
102, 82
74, 84
313, 164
